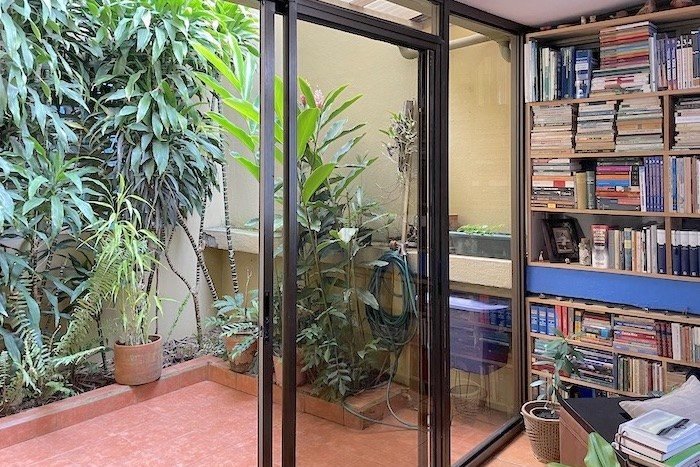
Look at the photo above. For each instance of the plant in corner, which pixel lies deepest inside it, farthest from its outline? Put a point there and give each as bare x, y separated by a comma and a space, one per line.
335, 219
125, 254
237, 319
542, 415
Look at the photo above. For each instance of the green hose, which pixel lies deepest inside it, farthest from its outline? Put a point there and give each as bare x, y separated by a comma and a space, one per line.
393, 331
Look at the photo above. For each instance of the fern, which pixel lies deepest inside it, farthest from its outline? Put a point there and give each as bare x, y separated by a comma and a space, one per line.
11, 389
88, 309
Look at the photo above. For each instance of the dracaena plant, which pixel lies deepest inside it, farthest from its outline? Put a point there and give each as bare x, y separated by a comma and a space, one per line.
336, 221
150, 124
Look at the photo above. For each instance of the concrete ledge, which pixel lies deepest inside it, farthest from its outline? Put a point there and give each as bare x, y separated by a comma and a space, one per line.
487, 272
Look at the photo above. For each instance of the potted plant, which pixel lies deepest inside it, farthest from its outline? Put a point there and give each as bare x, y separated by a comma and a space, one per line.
237, 318
542, 415
300, 373
125, 254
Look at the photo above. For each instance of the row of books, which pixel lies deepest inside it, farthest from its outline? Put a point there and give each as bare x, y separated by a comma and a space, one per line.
625, 60
601, 126
623, 333
633, 58
647, 336
630, 184
550, 319
552, 73
639, 376
684, 189
554, 182
604, 368
660, 439
677, 61
552, 133
687, 123
685, 253
628, 249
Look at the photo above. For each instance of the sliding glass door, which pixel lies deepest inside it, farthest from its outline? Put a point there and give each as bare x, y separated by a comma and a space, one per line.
349, 135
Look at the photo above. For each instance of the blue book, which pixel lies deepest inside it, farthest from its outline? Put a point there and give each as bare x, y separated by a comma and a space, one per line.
542, 312
675, 253
694, 253
660, 183
685, 252
661, 251
674, 183
551, 321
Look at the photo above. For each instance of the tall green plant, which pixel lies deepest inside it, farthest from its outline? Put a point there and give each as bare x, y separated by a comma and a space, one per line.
150, 122
336, 221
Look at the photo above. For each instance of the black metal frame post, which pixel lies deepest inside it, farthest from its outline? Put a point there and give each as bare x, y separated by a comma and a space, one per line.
291, 240
266, 236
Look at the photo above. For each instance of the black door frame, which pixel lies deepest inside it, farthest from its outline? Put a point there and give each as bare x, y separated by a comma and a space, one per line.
434, 446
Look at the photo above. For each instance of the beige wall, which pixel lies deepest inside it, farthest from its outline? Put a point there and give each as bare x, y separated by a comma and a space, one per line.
479, 145
480, 129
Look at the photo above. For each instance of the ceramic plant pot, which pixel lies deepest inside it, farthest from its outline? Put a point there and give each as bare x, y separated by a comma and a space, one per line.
300, 377
242, 362
138, 364
542, 428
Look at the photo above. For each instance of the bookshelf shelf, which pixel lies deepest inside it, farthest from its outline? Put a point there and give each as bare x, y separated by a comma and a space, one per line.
613, 271
600, 212
618, 97
602, 155
580, 382
669, 367
599, 307
590, 29
606, 348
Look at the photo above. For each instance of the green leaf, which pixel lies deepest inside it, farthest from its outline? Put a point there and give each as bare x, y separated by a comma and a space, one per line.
341, 109
307, 92
234, 130
143, 106
367, 298
161, 153
317, 178
306, 125
249, 165
219, 64
244, 108
34, 185
600, 452
57, 214
214, 85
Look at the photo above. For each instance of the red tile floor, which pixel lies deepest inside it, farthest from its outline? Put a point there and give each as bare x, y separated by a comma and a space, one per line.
210, 424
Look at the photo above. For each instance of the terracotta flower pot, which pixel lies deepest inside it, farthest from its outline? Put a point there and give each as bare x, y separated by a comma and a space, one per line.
138, 364
243, 361
301, 376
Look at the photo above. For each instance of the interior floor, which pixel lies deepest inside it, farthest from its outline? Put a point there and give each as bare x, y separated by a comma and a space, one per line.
210, 424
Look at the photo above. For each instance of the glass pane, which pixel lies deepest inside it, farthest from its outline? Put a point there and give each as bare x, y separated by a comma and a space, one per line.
416, 14
483, 389
358, 324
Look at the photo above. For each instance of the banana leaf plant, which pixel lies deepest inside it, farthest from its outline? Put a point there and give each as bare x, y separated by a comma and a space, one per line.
336, 220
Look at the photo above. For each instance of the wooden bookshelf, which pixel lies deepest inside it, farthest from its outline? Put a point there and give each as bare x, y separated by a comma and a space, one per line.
611, 310
593, 29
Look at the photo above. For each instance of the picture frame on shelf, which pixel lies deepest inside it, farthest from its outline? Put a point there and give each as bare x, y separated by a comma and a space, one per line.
561, 239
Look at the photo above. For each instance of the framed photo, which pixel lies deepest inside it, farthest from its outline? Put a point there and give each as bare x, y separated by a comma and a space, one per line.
561, 239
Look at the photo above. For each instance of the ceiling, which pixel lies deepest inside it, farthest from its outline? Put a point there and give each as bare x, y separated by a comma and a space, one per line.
548, 12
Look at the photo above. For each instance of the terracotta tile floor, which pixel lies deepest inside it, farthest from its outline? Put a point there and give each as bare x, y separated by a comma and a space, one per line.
210, 424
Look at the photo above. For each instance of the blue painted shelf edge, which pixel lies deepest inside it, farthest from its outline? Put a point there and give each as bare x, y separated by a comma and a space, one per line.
638, 291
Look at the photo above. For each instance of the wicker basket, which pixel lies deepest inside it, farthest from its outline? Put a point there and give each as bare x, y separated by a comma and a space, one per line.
466, 400
543, 433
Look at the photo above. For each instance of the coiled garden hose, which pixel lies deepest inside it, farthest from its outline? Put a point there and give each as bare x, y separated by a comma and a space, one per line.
393, 331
